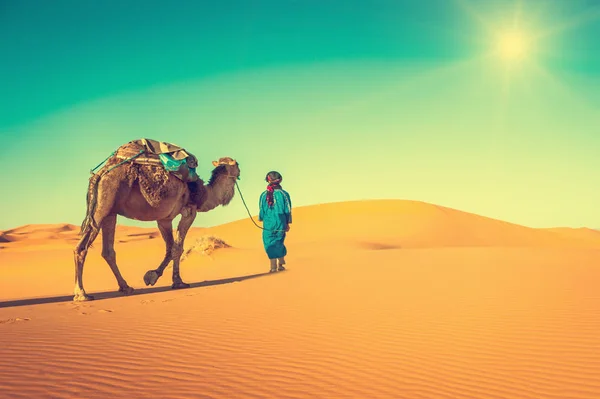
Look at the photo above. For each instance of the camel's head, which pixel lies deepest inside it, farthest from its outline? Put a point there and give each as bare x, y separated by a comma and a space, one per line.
227, 165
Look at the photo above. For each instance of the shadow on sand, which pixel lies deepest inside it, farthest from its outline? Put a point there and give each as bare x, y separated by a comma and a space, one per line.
98, 296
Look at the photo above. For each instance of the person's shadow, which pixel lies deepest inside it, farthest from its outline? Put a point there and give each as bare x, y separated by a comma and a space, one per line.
98, 296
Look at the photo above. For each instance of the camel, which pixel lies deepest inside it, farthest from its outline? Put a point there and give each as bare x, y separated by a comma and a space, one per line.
147, 192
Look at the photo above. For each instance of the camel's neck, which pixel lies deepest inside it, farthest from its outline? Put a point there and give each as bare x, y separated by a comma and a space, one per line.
220, 192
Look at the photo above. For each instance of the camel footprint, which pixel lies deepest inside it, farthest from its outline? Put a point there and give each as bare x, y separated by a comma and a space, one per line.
99, 311
14, 320
78, 306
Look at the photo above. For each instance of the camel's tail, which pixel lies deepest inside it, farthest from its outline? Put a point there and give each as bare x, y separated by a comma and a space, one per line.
92, 201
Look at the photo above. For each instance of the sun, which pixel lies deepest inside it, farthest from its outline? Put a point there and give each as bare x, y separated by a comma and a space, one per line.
517, 43
513, 46
511, 36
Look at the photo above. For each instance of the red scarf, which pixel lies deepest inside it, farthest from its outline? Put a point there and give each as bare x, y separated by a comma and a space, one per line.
273, 184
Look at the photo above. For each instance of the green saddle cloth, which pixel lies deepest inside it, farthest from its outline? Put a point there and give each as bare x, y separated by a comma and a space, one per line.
174, 165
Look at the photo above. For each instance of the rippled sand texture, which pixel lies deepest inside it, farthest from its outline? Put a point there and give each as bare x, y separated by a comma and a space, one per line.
389, 299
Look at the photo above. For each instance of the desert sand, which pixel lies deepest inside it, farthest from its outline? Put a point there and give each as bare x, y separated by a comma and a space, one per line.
381, 299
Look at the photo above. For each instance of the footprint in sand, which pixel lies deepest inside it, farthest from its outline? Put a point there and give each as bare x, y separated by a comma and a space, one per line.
78, 306
15, 320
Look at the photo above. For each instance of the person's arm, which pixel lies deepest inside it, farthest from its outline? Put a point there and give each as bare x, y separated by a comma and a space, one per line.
289, 207
283, 205
261, 213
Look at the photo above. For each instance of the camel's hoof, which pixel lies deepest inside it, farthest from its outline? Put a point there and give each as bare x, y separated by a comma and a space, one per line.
126, 290
180, 285
82, 298
151, 277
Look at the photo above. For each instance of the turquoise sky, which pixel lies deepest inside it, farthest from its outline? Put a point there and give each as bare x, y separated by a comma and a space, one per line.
347, 99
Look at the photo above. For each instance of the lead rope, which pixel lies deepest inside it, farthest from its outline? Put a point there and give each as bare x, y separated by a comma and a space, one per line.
247, 210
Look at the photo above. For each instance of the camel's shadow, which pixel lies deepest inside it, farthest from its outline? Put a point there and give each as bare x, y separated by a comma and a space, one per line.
98, 296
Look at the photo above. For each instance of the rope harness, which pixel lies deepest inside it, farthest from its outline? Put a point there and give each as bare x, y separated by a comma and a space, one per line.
93, 171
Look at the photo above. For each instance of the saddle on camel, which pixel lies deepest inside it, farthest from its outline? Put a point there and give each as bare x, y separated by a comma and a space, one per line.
150, 164
173, 158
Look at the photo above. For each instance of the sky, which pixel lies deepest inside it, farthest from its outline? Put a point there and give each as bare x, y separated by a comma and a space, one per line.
487, 107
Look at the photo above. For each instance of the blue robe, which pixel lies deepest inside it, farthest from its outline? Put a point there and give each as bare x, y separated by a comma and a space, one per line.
275, 221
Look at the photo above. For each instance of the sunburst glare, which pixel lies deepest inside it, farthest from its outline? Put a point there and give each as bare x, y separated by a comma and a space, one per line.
513, 45
517, 40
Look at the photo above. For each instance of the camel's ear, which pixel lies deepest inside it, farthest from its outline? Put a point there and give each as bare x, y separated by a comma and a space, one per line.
215, 163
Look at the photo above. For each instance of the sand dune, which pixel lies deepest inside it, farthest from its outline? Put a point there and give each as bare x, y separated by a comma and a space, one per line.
368, 224
33, 233
382, 299
65, 235
584, 234
410, 224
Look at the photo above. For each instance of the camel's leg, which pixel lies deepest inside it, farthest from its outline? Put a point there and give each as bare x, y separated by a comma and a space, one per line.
188, 214
166, 231
88, 237
105, 201
109, 225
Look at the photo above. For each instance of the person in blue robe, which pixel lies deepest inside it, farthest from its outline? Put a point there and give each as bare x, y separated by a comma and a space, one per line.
275, 207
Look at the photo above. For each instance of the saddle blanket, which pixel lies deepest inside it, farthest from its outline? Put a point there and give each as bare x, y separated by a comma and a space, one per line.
173, 158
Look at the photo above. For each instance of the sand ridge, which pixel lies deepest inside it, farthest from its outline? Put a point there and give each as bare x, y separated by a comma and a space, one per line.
377, 223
